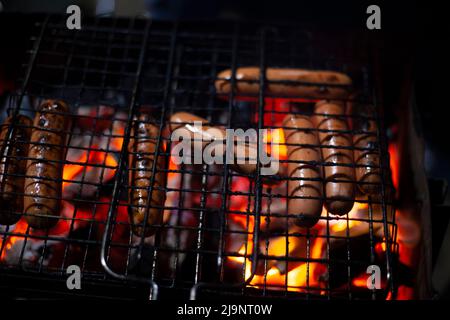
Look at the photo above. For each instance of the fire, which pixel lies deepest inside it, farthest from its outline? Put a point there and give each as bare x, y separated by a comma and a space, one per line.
340, 225
275, 143
172, 169
241, 258
20, 228
380, 247
394, 161
70, 170
97, 158
303, 275
405, 251
87, 162
299, 276
118, 131
360, 281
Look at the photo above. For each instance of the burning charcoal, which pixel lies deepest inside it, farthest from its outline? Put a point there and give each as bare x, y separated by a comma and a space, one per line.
116, 132
35, 251
360, 258
272, 272
212, 183
212, 176
13, 245
120, 237
236, 239
242, 198
86, 169
177, 233
342, 228
282, 247
177, 182
177, 236
274, 210
95, 118
273, 216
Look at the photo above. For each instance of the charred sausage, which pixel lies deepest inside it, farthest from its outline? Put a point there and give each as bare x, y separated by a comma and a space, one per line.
302, 83
366, 153
43, 184
339, 172
12, 167
305, 178
147, 194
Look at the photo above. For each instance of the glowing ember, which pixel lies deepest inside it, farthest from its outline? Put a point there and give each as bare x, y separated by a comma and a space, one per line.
380, 247
394, 161
20, 228
83, 175
296, 279
72, 170
360, 281
296, 275
91, 160
300, 276
337, 226
274, 139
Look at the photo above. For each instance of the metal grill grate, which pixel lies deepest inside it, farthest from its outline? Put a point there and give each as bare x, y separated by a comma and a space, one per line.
115, 69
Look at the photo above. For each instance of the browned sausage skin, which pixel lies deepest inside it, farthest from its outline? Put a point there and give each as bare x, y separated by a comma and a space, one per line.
339, 173
317, 84
209, 133
12, 167
367, 157
46, 154
305, 183
142, 155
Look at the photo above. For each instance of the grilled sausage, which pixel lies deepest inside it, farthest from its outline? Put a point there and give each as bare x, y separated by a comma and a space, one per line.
339, 174
366, 153
305, 185
43, 184
146, 199
209, 134
287, 82
12, 168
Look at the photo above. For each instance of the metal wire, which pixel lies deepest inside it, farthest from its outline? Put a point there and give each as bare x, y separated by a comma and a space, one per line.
117, 69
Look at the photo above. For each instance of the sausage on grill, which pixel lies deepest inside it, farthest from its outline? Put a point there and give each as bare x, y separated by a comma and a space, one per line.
12, 167
366, 153
305, 178
336, 146
43, 184
209, 134
142, 157
317, 84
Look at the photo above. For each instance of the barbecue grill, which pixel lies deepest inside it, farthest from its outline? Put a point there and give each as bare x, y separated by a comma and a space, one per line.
216, 237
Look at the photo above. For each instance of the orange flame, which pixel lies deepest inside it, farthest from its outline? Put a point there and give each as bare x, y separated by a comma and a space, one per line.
360, 281
340, 225
297, 278
72, 170
394, 161
304, 275
20, 228
405, 252
275, 143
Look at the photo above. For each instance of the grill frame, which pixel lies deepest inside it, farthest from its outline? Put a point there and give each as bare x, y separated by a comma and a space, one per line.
137, 91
